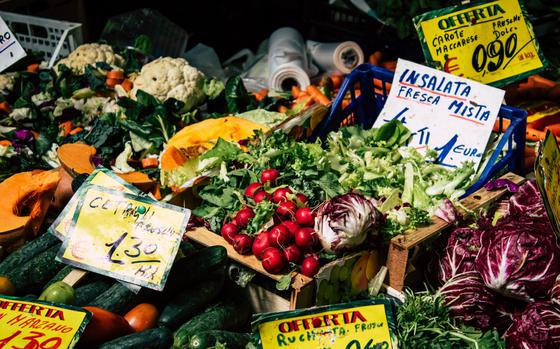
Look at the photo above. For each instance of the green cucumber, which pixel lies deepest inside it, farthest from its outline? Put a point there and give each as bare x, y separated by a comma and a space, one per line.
117, 299
155, 338
187, 248
229, 315
88, 292
32, 276
190, 302
27, 252
207, 339
197, 266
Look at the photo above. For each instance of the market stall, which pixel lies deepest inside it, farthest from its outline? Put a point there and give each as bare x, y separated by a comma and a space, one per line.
308, 194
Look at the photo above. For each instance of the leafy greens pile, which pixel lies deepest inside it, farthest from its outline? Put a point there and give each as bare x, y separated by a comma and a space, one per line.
375, 162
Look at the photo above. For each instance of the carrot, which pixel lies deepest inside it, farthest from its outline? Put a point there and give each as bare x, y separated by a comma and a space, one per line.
529, 151
5, 142
111, 82
157, 191
345, 102
127, 85
375, 58
76, 130
66, 127
260, 95
539, 81
317, 95
33, 68
35, 134
337, 80
505, 125
535, 135
554, 129
296, 91
554, 93
115, 74
389, 65
150, 162
5, 107
283, 109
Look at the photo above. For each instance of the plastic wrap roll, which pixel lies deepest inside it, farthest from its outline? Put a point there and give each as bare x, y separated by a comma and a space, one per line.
341, 56
287, 60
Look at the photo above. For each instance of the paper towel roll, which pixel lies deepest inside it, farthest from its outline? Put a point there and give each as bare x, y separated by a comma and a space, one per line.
341, 56
287, 60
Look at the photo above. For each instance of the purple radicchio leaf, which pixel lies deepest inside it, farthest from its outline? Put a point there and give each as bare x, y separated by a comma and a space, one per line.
460, 253
500, 183
468, 300
519, 258
537, 327
528, 201
25, 136
447, 211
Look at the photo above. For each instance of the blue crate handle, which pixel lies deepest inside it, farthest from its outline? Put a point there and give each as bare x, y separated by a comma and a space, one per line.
366, 107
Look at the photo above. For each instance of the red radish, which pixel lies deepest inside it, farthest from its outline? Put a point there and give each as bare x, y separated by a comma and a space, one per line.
262, 196
302, 199
279, 236
306, 238
234, 222
269, 175
229, 231
310, 266
292, 227
260, 244
273, 260
286, 209
243, 216
305, 217
279, 195
293, 254
242, 243
252, 189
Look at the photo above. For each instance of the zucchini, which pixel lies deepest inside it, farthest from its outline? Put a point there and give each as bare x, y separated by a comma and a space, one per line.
27, 252
117, 299
197, 266
155, 338
32, 276
229, 315
88, 292
208, 339
190, 302
187, 248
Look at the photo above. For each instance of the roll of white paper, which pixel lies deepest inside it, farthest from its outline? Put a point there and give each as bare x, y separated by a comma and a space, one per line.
341, 56
287, 60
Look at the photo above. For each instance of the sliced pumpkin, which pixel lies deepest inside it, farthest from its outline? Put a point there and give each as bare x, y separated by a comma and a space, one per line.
26, 197
178, 161
76, 158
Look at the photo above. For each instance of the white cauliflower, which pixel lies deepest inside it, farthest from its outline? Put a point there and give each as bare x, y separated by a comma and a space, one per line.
6, 151
7, 82
19, 114
168, 77
41, 97
89, 54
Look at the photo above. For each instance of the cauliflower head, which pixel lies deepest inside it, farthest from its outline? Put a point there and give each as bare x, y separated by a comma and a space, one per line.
168, 77
89, 54
7, 82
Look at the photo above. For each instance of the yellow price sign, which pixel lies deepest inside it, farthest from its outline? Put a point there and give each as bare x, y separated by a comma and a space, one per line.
357, 325
489, 42
547, 172
100, 176
128, 237
37, 324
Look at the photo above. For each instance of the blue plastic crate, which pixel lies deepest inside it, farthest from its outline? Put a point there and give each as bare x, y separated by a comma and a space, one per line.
364, 109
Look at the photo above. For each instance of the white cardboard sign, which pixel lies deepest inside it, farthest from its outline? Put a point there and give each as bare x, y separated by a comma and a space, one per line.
444, 112
10, 49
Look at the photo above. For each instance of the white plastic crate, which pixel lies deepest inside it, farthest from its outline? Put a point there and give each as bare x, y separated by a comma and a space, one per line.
54, 38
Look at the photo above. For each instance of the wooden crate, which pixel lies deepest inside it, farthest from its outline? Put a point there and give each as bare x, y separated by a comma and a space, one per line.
401, 246
302, 293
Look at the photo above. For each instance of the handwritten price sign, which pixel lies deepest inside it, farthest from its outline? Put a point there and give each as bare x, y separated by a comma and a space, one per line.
357, 325
128, 237
39, 325
490, 42
100, 176
547, 171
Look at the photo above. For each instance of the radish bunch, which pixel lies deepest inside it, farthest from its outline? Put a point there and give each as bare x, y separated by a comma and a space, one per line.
292, 240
